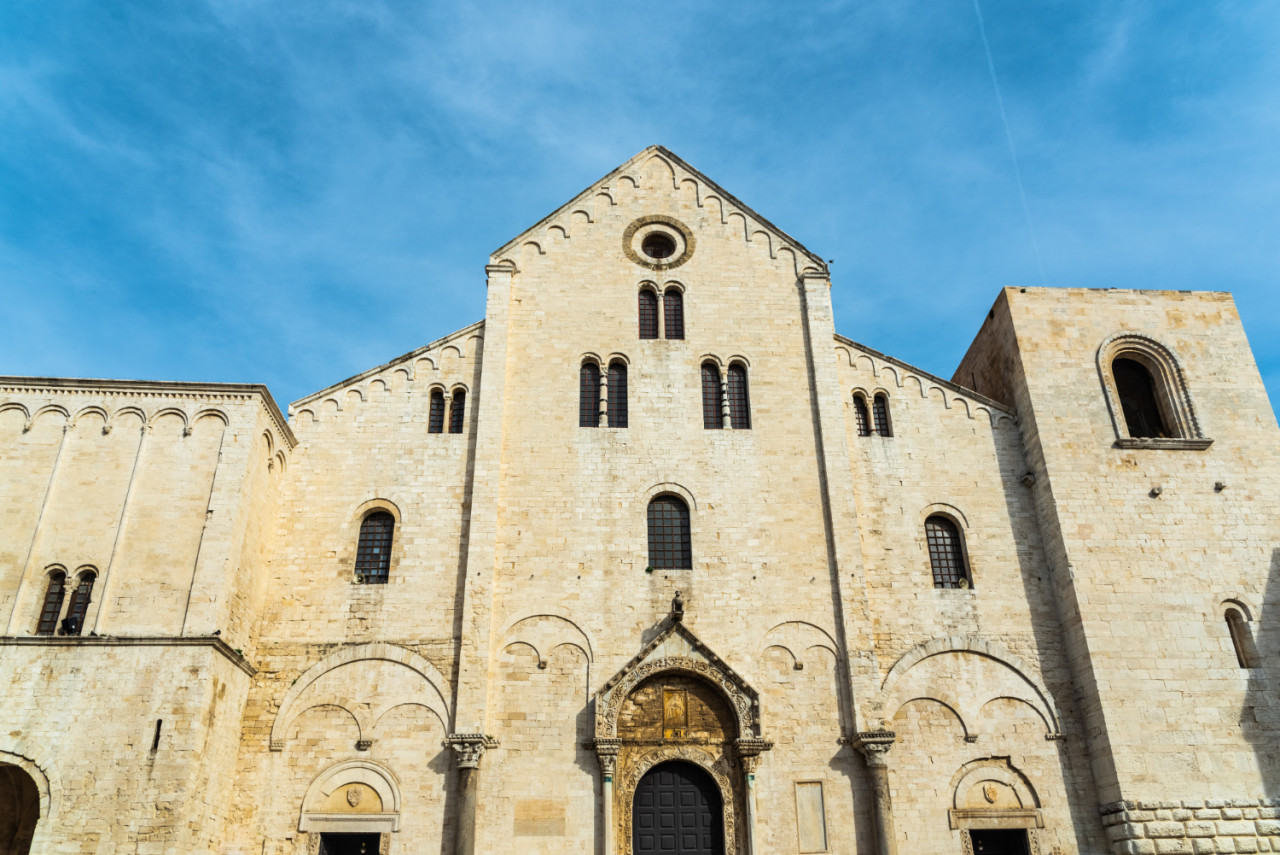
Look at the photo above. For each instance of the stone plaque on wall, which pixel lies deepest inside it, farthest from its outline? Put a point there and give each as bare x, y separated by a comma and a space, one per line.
539, 818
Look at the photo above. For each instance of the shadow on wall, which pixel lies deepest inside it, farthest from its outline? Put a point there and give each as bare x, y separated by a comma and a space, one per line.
1260, 718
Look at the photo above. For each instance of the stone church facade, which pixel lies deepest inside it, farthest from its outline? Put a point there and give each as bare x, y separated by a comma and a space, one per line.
653, 560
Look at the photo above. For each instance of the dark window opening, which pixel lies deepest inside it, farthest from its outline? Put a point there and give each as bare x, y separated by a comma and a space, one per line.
1137, 391
457, 409
673, 313
73, 623
648, 314
589, 395
863, 417
669, 545
946, 555
712, 416
1005, 841
350, 844
658, 245
435, 421
53, 597
373, 553
155, 742
1242, 639
881, 410
739, 403
617, 394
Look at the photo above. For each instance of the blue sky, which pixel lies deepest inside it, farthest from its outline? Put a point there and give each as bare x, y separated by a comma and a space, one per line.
293, 192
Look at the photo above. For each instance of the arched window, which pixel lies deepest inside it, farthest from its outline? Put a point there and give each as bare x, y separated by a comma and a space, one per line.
946, 554
863, 417
712, 416
648, 313
53, 597
457, 409
589, 395
373, 552
669, 546
739, 402
1242, 639
435, 421
673, 313
1137, 391
617, 394
73, 623
881, 410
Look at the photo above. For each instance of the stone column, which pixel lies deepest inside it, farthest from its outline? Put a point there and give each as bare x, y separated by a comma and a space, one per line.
607, 753
875, 745
469, 748
749, 751
726, 414
603, 404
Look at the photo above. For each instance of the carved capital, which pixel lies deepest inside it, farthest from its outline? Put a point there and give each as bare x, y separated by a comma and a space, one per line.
874, 745
607, 754
470, 748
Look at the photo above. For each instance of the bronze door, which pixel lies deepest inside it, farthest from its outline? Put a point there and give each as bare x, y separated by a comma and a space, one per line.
677, 812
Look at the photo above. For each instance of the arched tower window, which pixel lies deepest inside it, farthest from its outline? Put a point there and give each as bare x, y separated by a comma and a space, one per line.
373, 552
881, 411
1137, 391
457, 410
673, 313
739, 402
435, 420
862, 415
1242, 639
946, 553
712, 417
52, 607
617, 381
73, 623
669, 544
589, 395
648, 313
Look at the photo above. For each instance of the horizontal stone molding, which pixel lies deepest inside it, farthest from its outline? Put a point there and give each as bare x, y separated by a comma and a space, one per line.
229, 653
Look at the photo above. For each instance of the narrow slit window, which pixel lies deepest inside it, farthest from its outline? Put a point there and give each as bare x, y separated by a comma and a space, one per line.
457, 410
946, 555
739, 402
673, 313
53, 597
589, 395
435, 421
861, 414
1137, 391
881, 410
73, 623
648, 314
373, 552
1242, 639
712, 418
669, 546
617, 394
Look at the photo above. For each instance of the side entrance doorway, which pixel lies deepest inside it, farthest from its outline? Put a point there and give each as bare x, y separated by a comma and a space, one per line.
350, 844
677, 812
999, 842
19, 810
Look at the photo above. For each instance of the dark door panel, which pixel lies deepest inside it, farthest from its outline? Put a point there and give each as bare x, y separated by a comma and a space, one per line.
677, 811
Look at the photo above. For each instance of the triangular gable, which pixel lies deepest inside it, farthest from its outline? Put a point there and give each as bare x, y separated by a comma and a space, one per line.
678, 649
705, 190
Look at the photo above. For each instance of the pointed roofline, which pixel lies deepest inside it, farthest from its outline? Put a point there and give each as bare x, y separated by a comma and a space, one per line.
677, 627
683, 164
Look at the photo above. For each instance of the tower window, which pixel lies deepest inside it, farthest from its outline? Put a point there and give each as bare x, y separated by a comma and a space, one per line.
863, 417
648, 314
589, 395
712, 416
435, 420
373, 552
617, 381
52, 607
1137, 391
669, 546
739, 402
673, 313
457, 410
1242, 639
946, 554
73, 623
881, 410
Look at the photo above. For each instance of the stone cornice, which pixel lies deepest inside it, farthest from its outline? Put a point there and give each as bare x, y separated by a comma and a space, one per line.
216, 643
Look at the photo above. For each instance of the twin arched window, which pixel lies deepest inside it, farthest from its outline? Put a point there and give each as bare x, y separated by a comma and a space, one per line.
457, 411
672, 313
615, 395
946, 553
669, 542
879, 411
732, 394
54, 595
373, 551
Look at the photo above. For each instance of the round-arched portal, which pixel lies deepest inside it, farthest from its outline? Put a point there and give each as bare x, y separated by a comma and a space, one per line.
19, 810
678, 811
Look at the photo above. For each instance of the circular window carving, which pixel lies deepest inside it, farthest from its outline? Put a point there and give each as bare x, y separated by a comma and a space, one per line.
658, 242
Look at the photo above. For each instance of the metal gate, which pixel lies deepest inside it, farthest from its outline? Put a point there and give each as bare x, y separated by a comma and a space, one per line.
677, 812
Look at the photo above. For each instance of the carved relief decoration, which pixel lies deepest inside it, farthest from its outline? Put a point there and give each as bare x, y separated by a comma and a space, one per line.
718, 767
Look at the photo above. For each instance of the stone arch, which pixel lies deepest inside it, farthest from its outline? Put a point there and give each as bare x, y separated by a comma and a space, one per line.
333, 800
1172, 392
372, 652
717, 767
798, 637
895, 688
